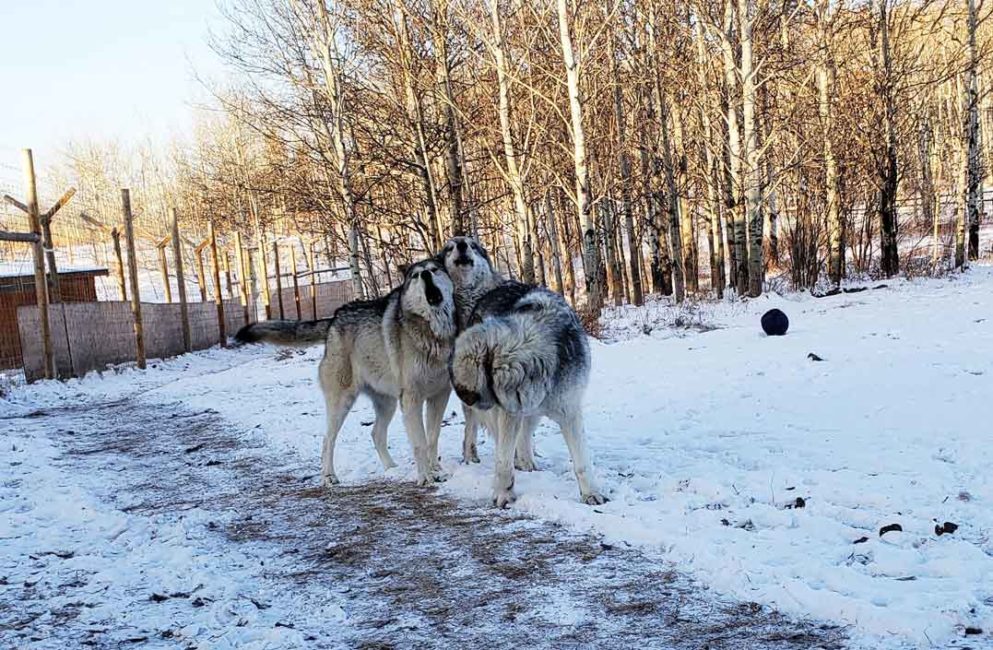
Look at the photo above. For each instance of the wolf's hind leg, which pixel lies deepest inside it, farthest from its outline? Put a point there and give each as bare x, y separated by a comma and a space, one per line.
335, 377
575, 439
470, 452
338, 405
385, 406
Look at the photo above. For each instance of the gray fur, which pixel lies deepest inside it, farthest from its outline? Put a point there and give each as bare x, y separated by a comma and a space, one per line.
521, 354
285, 332
393, 349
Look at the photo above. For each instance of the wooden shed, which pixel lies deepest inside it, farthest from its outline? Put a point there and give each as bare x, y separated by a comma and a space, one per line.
17, 289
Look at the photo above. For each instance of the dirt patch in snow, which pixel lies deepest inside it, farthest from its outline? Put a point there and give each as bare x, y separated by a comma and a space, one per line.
413, 568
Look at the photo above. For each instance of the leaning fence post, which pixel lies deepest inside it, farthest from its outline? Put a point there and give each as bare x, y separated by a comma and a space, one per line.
263, 270
139, 332
227, 272
177, 251
122, 284
242, 275
279, 278
218, 292
164, 267
311, 260
296, 285
201, 274
40, 283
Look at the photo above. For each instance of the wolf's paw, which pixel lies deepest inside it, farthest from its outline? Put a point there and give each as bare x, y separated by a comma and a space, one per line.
327, 480
503, 498
424, 480
594, 499
439, 475
470, 455
525, 464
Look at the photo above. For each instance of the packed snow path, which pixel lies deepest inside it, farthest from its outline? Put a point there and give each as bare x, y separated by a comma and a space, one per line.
194, 535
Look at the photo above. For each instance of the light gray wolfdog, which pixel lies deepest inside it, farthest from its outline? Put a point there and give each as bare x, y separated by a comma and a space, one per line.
469, 266
521, 354
394, 348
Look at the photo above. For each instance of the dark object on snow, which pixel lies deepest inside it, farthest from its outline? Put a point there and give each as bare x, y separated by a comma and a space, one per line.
889, 529
837, 291
799, 503
947, 527
814, 357
775, 323
861, 540
973, 630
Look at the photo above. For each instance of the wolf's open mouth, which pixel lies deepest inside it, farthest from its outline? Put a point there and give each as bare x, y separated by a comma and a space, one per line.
463, 260
431, 292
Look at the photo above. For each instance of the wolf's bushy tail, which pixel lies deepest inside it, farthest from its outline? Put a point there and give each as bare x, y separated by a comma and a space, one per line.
285, 332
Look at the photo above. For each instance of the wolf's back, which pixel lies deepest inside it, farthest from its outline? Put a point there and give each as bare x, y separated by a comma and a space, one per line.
285, 332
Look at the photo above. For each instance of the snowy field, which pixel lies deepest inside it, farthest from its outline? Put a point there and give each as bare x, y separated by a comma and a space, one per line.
735, 458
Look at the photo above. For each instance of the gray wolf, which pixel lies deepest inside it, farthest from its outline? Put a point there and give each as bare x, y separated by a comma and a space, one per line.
469, 266
391, 349
524, 355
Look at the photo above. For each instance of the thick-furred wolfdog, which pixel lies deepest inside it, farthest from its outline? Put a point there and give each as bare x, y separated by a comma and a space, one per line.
521, 354
392, 348
469, 266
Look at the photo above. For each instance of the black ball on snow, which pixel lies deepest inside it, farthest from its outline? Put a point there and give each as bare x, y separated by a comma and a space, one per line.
775, 322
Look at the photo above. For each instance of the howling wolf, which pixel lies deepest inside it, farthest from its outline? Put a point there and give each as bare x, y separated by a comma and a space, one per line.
394, 348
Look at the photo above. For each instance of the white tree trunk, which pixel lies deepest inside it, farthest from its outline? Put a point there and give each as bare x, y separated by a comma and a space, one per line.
594, 278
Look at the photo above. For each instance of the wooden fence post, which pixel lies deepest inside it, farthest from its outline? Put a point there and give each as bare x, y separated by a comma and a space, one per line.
164, 266
122, 284
311, 260
40, 283
201, 274
218, 291
177, 251
279, 278
263, 270
296, 284
227, 272
139, 331
243, 281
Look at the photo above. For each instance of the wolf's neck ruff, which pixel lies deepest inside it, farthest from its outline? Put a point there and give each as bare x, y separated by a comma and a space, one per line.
468, 295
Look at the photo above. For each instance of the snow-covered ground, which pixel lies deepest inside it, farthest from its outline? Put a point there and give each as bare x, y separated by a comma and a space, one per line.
762, 473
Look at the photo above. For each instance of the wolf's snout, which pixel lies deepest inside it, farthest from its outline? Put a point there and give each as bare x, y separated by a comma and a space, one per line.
462, 258
470, 397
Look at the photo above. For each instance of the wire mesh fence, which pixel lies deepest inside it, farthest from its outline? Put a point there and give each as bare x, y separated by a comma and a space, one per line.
91, 285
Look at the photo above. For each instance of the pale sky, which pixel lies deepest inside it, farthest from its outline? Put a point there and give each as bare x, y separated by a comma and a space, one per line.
102, 69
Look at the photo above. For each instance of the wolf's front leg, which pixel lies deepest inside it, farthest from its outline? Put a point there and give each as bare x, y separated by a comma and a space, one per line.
413, 422
470, 453
508, 428
435, 414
